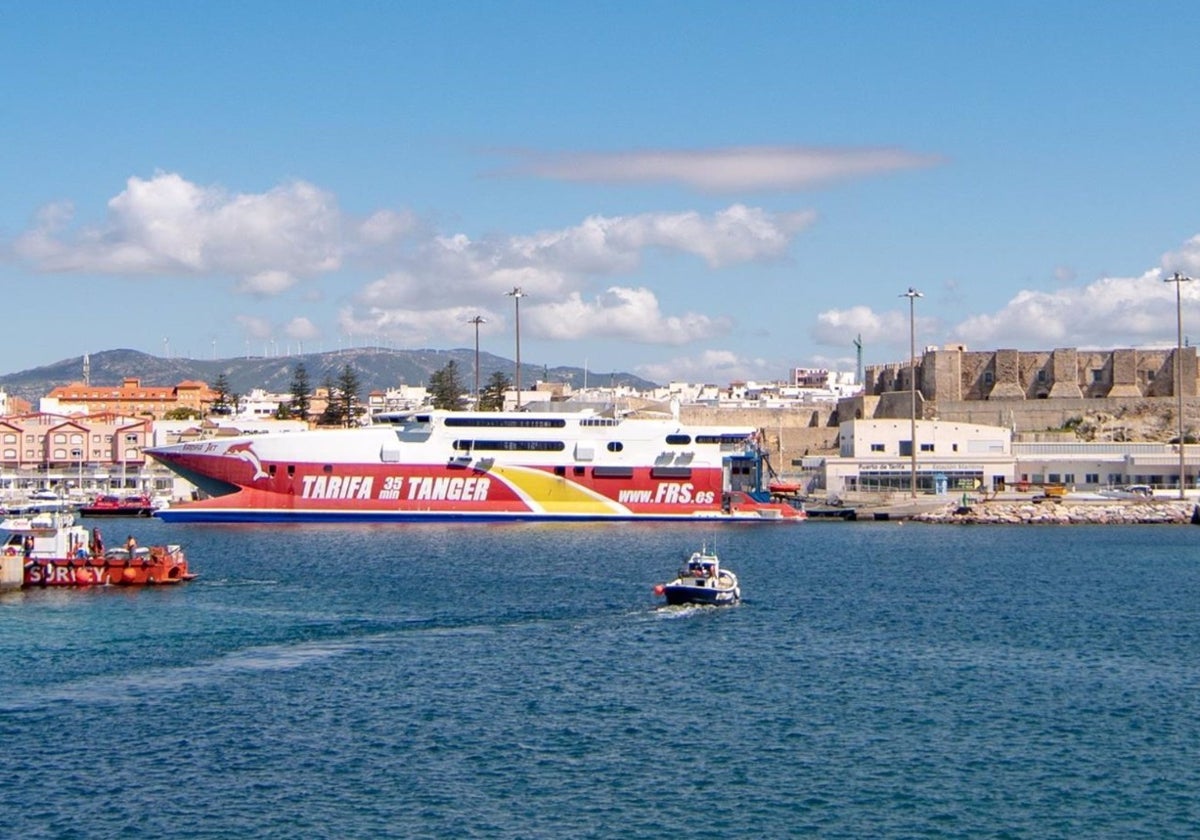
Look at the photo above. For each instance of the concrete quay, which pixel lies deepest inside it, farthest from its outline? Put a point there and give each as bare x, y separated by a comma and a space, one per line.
1064, 512
1020, 509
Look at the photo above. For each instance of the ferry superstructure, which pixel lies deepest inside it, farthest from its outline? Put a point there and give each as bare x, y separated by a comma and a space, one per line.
440, 465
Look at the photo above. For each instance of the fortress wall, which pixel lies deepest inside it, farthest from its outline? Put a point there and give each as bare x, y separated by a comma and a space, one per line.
1064, 373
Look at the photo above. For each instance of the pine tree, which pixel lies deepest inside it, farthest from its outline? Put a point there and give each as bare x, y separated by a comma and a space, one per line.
492, 397
446, 388
332, 415
301, 401
348, 386
220, 404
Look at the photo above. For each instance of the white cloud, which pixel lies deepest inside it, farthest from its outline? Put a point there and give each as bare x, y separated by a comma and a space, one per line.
1110, 312
615, 244
839, 327
387, 226
775, 168
254, 327
553, 267
266, 283
418, 327
302, 329
168, 225
716, 367
620, 313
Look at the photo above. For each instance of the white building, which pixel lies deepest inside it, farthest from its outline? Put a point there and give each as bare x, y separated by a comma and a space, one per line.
876, 455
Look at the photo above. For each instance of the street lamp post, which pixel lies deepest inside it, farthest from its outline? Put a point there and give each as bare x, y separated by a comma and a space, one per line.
912, 295
78, 453
1179, 279
516, 294
477, 320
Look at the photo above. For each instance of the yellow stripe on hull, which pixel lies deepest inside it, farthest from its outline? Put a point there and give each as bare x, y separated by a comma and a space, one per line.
548, 493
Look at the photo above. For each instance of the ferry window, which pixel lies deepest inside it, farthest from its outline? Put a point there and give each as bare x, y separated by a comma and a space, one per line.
291, 470
560, 471
271, 470
579, 470
671, 472
615, 446
612, 472
520, 445
508, 422
327, 469
679, 440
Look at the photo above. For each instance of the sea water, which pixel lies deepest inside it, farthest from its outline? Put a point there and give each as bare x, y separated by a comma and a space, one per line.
519, 680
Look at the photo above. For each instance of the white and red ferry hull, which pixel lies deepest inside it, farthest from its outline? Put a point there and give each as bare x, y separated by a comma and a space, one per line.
362, 475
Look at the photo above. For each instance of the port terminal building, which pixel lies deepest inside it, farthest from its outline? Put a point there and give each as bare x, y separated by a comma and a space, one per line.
994, 418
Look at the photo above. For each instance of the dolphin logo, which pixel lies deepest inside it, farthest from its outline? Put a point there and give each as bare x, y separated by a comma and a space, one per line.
246, 453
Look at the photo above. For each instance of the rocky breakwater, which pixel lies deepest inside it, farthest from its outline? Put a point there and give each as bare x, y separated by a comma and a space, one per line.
1063, 512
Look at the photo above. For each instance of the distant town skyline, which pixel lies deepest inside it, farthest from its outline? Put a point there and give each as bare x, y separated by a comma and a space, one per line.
697, 192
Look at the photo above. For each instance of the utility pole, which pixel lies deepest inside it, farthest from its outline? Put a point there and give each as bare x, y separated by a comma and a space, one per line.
912, 295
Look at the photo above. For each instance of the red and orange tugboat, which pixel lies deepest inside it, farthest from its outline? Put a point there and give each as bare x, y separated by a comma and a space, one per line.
53, 551
106, 504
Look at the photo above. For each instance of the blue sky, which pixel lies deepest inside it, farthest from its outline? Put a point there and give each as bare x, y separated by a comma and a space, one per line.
692, 190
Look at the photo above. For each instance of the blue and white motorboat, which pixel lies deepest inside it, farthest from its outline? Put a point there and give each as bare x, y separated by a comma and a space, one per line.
702, 581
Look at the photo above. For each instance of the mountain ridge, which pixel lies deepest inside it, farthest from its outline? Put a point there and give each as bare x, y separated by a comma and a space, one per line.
377, 369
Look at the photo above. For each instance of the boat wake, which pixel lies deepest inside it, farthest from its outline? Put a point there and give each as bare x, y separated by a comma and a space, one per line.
128, 688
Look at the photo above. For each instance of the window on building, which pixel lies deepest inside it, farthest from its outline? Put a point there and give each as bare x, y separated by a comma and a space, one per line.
926, 447
954, 447
1068, 478
1041, 377
1149, 376
1054, 478
906, 449
1097, 376
876, 447
987, 377
1091, 478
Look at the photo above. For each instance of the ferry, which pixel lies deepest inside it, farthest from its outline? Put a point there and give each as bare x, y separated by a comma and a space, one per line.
435, 465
